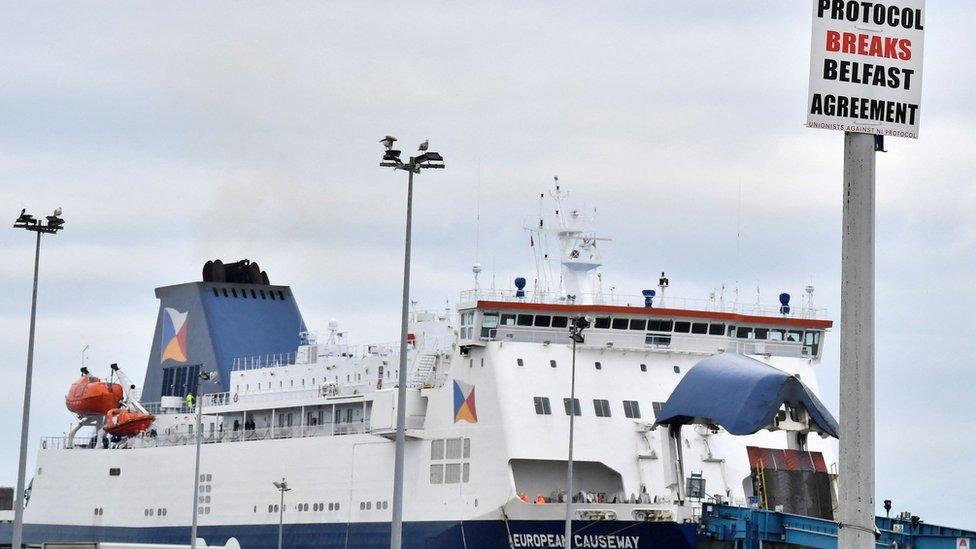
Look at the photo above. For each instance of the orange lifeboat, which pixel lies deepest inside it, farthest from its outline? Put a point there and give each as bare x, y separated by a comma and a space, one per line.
124, 423
92, 396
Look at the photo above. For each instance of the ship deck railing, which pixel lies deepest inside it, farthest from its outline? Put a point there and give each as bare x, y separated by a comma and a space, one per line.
322, 350
220, 436
666, 342
628, 300
271, 397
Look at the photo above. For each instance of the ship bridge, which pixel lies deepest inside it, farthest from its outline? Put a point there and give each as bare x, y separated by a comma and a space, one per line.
682, 325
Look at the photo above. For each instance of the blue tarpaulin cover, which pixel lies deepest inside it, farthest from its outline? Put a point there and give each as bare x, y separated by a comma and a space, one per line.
740, 394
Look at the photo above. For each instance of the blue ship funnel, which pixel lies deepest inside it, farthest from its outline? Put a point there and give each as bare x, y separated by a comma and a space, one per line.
204, 326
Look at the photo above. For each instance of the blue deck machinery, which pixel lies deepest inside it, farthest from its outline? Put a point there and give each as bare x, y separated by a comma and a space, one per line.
743, 396
747, 528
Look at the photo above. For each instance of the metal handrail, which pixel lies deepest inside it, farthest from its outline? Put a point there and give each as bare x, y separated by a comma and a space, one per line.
625, 300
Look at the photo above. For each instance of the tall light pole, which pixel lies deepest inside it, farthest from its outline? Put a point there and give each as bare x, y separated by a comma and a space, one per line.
426, 160
53, 225
204, 376
576, 334
282, 487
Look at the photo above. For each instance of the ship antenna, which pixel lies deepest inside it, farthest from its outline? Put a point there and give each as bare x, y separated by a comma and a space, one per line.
477, 215
738, 244
84, 356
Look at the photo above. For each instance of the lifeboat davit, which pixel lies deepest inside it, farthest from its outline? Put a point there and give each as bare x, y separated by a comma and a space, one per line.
90, 396
124, 423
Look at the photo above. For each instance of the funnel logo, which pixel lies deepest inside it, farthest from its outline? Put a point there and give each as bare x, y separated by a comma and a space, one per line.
173, 344
464, 409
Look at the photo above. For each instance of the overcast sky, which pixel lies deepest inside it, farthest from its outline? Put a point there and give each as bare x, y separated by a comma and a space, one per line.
173, 134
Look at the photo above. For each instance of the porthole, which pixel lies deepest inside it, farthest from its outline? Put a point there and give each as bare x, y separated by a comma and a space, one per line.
677, 370
330, 507
271, 508
643, 367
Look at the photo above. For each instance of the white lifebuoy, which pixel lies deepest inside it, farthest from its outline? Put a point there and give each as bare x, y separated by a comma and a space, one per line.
235, 397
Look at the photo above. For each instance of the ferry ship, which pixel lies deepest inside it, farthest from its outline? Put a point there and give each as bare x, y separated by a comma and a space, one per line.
487, 416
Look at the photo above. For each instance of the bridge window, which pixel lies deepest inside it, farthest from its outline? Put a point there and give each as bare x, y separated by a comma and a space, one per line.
560, 322
601, 408
632, 409
524, 320
699, 328
508, 320
761, 333
620, 323
776, 335
489, 322
659, 325
542, 321
638, 324
716, 329
602, 323
743, 332
575, 407
542, 407
682, 327
794, 336
812, 340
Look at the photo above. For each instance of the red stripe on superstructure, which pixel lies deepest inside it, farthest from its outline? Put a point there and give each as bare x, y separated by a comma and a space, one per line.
656, 312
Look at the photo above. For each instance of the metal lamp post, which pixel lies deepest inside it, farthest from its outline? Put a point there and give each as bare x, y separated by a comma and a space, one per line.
576, 334
426, 160
282, 487
204, 376
28, 222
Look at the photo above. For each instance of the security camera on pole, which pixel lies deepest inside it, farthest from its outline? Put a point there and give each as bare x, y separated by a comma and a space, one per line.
865, 80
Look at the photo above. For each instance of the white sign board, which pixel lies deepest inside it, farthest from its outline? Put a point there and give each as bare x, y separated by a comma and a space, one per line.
866, 66
962, 543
